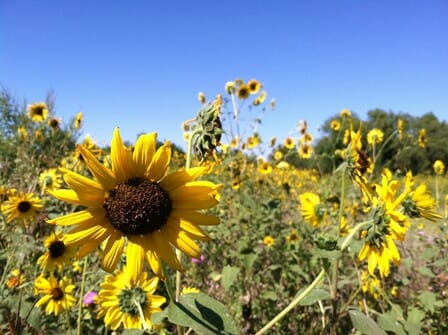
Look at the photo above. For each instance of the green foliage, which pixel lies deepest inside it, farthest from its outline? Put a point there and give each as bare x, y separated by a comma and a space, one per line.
396, 154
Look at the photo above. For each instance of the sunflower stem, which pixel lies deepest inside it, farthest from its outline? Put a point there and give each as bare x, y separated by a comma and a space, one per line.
81, 296
316, 281
293, 303
142, 315
167, 282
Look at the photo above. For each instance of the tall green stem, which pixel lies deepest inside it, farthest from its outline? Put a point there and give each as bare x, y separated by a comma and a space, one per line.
81, 296
316, 281
292, 304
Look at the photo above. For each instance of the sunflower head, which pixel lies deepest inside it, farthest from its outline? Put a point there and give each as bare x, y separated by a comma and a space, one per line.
137, 207
38, 111
208, 131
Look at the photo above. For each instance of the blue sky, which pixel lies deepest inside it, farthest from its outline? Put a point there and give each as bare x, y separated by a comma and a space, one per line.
140, 64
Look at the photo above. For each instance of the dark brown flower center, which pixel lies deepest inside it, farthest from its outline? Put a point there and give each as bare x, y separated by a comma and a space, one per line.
57, 294
24, 206
54, 123
56, 249
39, 111
138, 206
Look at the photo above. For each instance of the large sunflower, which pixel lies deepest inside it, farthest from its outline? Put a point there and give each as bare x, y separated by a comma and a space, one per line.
139, 204
122, 300
23, 206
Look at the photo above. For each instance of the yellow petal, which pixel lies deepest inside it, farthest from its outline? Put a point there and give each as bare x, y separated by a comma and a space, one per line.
154, 262
135, 256
95, 231
75, 218
180, 178
113, 250
88, 191
67, 196
157, 243
122, 164
191, 229
143, 153
181, 241
372, 261
160, 162
87, 248
99, 171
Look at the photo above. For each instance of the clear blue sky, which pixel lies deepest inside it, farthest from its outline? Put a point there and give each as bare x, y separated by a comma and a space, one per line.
140, 64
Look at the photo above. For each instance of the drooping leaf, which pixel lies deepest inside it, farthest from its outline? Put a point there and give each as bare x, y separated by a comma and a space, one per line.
205, 315
314, 296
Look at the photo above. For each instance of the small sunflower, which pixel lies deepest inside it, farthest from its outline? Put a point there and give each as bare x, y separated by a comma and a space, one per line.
400, 128
422, 139
138, 204
420, 203
78, 120
375, 136
293, 236
236, 184
439, 167
128, 302
268, 241
16, 278
371, 284
49, 180
201, 97
312, 210
253, 141
305, 150
55, 123
230, 87
57, 294
260, 99
278, 155
23, 206
38, 111
22, 132
289, 143
264, 168
335, 125
345, 113
254, 86
58, 253
243, 91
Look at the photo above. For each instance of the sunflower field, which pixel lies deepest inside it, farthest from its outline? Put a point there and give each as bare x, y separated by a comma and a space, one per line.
345, 233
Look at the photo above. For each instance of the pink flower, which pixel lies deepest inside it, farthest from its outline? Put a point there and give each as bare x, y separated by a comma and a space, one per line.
198, 260
89, 298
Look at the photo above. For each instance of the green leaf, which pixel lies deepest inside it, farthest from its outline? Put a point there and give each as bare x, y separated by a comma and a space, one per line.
428, 300
270, 295
365, 324
248, 260
202, 313
229, 274
388, 321
314, 296
134, 332
426, 272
